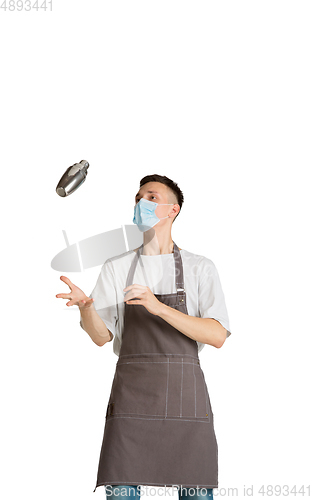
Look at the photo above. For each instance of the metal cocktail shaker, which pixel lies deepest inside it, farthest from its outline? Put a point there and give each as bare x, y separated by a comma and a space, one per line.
72, 178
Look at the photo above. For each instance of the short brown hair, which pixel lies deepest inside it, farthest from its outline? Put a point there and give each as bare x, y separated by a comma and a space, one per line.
169, 183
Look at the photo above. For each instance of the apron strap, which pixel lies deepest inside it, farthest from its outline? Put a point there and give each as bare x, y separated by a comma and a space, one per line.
180, 287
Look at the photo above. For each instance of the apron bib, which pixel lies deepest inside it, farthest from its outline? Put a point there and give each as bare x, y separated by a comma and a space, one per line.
159, 423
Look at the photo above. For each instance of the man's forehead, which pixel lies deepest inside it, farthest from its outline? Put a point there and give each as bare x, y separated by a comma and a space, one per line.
153, 187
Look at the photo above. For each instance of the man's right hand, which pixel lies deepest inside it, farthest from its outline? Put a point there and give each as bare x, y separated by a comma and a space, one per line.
77, 296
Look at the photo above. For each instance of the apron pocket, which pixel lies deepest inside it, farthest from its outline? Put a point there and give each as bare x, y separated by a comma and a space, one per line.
140, 388
194, 397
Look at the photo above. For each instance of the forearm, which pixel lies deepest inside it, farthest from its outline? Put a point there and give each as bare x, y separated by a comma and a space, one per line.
94, 326
205, 330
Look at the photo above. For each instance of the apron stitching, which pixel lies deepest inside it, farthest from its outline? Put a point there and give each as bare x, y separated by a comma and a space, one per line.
205, 394
181, 387
201, 420
157, 362
168, 368
207, 397
194, 377
158, 354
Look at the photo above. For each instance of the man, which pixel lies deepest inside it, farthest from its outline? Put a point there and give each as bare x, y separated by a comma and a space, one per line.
158, 331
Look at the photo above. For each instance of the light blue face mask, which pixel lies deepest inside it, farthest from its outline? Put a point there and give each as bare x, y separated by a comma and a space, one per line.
144, 214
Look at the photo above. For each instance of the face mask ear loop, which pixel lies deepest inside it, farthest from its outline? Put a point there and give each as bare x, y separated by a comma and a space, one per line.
161, 218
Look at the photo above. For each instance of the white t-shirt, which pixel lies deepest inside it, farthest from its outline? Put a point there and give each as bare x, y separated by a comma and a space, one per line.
204, 294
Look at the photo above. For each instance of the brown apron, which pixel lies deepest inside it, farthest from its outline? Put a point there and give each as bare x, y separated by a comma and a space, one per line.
159, 423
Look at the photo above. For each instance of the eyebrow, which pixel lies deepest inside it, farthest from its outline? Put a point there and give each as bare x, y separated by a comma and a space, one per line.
148, 192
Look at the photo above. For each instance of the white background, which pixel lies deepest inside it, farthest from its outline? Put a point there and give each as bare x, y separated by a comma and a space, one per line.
218, 97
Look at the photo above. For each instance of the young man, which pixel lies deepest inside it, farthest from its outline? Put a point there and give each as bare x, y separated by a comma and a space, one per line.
161, 304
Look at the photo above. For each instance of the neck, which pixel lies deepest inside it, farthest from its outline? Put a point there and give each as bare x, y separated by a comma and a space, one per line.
156, 244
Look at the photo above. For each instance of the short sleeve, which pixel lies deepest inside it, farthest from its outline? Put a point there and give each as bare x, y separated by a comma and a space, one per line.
211, 297
104, 295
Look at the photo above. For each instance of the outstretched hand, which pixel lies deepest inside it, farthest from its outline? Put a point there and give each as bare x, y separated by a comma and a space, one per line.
77, 296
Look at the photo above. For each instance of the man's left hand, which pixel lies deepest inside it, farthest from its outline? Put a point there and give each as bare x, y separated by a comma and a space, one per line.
145, 298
